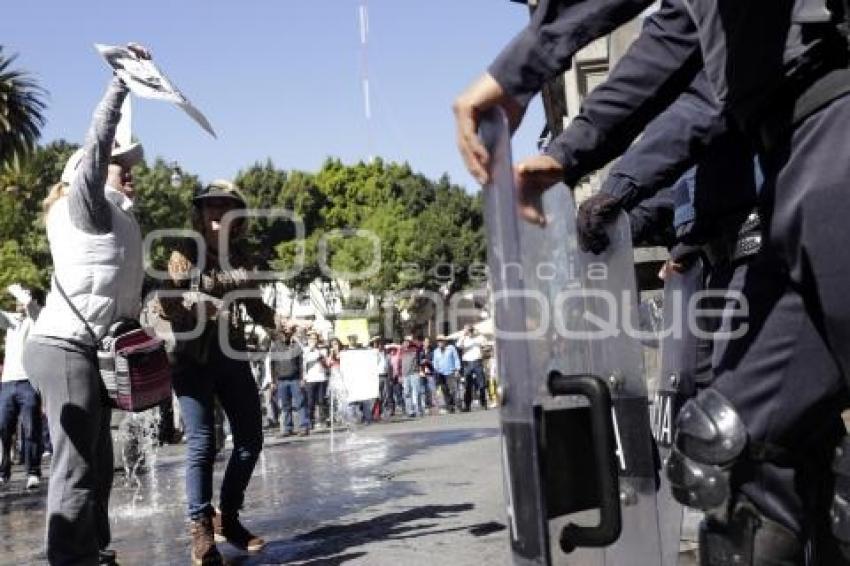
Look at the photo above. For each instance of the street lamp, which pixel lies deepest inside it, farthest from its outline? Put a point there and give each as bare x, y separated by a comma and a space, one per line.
176, 176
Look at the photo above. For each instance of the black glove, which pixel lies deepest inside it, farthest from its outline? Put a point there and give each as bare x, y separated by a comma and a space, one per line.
685, 254
593, 215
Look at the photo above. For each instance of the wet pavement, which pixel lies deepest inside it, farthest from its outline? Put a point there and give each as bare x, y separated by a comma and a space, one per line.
408, 493
402, 493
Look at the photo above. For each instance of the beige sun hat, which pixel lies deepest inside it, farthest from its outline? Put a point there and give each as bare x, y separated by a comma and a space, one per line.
126, 156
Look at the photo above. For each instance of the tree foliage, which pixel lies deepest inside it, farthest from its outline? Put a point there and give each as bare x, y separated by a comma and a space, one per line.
414, 224
21, 111
427, 232
161, 206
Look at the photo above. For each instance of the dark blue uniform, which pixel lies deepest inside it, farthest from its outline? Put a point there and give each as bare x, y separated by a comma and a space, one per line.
783, 377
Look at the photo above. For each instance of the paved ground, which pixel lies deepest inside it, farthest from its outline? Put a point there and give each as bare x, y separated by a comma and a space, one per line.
401, 493
406, 493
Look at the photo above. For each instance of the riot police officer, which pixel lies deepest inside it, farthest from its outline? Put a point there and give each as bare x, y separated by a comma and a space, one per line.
743, 432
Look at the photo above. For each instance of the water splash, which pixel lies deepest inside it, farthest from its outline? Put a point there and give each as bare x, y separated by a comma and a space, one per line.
137, 439
343, 416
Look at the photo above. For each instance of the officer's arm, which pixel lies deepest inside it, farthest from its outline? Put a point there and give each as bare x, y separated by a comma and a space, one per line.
670, 145
557, 30
542, 50
657, 68
652, 220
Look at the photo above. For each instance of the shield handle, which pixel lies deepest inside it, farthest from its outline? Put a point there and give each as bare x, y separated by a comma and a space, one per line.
610, 525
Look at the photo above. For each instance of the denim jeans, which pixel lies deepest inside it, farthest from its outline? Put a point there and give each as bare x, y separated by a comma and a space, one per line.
447, 384
316, 393
19, 398
81, 471
197, 387
412, 400
398, 392
428, 388
474, 374
386, 397
291, 398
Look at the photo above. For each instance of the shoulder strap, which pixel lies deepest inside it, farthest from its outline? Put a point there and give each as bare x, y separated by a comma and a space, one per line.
77, 312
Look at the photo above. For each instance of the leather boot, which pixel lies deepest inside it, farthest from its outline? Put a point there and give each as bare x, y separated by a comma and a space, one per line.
229, 529
204, 552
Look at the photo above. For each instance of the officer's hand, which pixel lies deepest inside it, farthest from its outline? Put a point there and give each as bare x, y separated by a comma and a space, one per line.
593, 216
533, 176
669, 268
682, 257
483, 94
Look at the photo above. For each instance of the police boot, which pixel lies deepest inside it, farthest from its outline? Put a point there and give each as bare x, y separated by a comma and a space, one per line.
748, 538
204, 552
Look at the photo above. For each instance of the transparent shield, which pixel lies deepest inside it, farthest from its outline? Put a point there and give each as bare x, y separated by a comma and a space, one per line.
513, 312
675, 383
557, 309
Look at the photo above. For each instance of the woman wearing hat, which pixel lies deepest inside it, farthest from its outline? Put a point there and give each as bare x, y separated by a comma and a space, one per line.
96, 247
204, 372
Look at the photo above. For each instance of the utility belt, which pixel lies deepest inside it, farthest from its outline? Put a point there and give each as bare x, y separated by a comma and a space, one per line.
735, 241
818, 77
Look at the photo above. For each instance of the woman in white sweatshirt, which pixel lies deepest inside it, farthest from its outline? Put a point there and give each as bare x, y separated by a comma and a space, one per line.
96, 246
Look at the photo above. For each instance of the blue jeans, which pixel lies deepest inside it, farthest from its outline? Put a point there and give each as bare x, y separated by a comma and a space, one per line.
412, 400
290, 397
475, 378
398, 392
198, 387
19, 398
428, 384
317, 391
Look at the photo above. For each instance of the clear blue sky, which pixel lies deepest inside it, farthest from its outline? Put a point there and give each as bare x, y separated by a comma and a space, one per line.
277, 78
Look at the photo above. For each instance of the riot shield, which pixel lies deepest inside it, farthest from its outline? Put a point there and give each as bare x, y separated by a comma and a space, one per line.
676, 383
580, 478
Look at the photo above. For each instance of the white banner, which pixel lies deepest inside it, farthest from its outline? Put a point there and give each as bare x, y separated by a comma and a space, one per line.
359, 369
144, 79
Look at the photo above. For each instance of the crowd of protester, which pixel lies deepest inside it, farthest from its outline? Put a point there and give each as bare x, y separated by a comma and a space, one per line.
301, 374
51, 371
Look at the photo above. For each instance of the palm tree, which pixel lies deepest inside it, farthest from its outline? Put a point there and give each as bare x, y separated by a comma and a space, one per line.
21, 111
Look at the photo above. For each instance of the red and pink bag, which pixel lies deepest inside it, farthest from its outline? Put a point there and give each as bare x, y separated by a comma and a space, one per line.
133, 363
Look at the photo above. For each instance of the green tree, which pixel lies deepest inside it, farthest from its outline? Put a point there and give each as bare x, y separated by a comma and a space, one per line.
24, 183
276, 239
21, 110
15, 267
419, 223
161, 206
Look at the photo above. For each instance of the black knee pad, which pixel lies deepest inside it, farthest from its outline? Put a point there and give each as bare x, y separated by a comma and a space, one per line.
702, 486
710, 436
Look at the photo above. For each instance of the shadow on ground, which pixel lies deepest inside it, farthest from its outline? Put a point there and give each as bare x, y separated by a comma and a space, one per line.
328, 545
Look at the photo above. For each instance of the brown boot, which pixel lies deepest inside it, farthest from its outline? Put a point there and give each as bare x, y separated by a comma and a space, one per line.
228, 528
204, 552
